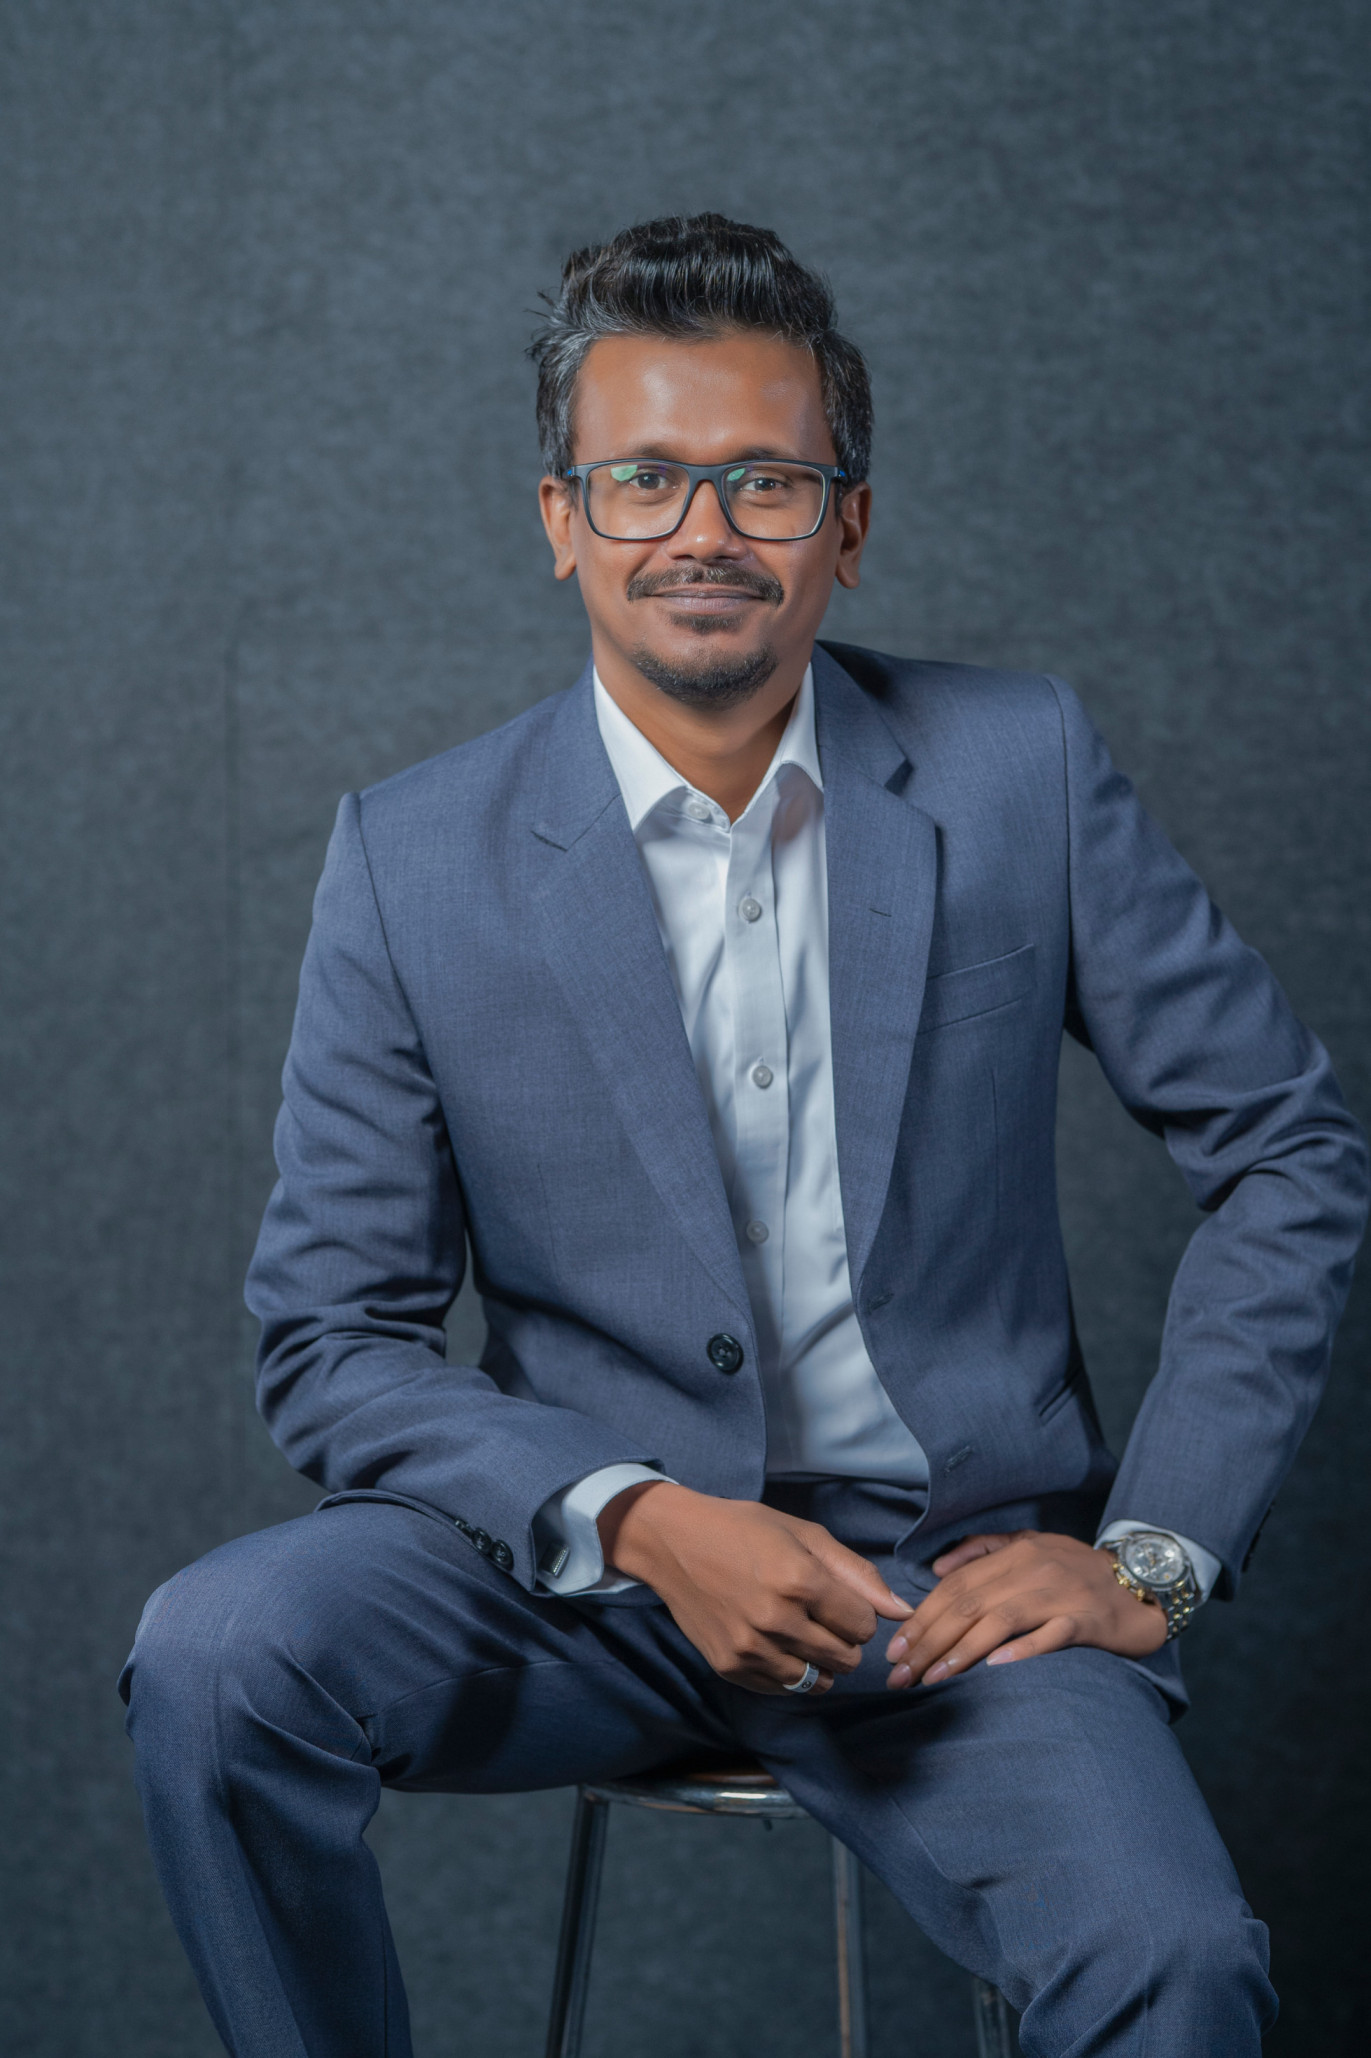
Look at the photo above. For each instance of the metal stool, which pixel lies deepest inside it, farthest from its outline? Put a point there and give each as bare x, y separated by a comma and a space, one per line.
719, 1790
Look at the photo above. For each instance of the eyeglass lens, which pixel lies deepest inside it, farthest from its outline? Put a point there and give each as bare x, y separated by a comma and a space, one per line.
631, 503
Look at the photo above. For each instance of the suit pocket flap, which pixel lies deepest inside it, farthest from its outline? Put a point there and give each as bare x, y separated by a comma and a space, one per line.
977, 989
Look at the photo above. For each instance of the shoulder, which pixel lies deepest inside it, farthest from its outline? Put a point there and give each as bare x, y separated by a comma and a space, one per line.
939, 710
928, 689
473, 791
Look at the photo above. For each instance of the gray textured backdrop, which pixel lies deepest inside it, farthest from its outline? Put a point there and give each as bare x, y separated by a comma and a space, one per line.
268, 532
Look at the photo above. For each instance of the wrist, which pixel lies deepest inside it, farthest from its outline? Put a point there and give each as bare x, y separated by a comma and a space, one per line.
630, 1526
1154, 1567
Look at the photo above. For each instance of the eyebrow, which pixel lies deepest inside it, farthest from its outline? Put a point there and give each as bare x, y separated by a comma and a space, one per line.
754, 455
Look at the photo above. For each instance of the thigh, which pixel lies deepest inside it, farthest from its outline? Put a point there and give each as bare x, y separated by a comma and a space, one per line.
1028, 1816
373, 1630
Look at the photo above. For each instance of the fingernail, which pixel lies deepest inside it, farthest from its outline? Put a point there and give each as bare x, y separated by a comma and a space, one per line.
1000, 1658
900, 1676
936, 1672
896, 1645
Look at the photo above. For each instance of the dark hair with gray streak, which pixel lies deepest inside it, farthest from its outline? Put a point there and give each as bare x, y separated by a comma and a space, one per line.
692, 276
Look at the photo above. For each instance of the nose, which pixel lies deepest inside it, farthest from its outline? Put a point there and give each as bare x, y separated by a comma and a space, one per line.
705, 530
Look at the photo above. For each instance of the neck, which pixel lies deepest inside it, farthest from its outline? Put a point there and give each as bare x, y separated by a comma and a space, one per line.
723, 752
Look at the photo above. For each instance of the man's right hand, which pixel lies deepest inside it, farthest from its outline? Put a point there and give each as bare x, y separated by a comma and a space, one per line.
759, 1593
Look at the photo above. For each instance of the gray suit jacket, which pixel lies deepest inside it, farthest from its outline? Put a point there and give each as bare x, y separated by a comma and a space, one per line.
488, 1049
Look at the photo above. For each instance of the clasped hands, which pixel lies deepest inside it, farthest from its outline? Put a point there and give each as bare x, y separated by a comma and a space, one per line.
762, 1595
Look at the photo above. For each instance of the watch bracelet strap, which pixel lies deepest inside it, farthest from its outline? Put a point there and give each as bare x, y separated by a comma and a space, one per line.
1179, 1606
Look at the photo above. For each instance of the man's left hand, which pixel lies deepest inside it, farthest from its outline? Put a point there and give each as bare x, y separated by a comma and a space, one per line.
1007, 1597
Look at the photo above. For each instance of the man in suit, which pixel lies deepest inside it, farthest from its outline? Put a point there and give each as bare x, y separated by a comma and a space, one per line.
716, 1005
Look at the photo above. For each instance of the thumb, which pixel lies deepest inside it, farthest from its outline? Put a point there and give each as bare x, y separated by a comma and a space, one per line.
861, 1575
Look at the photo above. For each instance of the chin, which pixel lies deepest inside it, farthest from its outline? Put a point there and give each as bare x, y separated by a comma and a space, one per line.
718, 678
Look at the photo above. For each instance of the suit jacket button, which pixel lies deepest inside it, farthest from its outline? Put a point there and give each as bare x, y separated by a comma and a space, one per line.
482, 1542
502, 1555
725, 1352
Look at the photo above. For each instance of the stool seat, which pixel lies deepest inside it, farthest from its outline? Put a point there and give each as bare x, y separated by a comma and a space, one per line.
697, 1787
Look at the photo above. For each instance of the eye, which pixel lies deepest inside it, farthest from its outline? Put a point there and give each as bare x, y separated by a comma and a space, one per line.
644, 477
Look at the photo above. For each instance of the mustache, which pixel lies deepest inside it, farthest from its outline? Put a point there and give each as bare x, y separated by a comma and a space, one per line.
734, 578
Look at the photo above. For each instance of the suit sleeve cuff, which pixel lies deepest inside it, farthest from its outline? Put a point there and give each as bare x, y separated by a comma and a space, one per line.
1206, 1566
566, 1541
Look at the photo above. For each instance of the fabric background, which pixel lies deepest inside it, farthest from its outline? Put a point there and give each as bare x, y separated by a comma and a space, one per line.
268, 532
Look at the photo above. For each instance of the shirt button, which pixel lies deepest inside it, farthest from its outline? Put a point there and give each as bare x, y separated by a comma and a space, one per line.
757, 1232
762, 1075
698, 810
749, 908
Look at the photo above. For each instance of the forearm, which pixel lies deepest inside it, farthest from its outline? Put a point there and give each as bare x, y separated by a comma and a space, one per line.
353, 1408
1244, 1357
1199, 1043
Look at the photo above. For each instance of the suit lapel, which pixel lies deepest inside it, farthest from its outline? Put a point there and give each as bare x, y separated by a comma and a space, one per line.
882, 879
601, 938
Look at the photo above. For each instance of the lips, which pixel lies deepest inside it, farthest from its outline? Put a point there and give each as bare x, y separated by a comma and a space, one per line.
726, 591
705, 593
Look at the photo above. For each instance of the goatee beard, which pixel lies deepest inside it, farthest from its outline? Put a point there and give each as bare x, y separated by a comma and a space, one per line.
719, 682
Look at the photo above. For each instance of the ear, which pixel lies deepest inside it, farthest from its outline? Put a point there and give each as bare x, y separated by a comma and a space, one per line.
854, 519
557, 505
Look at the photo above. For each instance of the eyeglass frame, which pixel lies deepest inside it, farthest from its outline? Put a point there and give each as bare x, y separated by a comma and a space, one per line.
697, 475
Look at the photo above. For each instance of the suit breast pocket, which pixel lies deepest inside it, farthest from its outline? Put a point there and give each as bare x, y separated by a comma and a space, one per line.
974, 990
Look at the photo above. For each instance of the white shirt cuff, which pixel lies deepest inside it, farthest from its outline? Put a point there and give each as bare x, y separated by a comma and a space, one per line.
566, 1542
1207, 1567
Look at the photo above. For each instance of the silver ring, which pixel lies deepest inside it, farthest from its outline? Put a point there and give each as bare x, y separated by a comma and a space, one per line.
806, 1682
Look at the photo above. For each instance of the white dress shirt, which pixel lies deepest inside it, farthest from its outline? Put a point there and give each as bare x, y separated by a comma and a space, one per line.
743, 912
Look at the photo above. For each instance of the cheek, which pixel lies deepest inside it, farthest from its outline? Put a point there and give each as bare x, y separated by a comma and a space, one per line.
808, 575
599, 590
603, 572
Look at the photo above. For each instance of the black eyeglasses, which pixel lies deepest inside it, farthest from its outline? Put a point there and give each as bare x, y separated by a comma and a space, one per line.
639, 500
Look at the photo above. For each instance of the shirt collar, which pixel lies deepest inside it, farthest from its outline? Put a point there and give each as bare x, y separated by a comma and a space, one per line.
645, 778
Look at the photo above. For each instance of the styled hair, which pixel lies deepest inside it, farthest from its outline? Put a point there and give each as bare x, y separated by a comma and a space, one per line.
694, 276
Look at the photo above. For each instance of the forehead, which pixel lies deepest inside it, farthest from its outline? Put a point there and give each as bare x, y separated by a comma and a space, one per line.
700, 401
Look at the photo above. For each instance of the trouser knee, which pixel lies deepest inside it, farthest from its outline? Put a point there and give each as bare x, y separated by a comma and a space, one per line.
222, 1671
1195, 1973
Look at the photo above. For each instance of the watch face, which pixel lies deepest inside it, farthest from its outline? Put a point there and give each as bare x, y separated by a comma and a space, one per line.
1153, 1560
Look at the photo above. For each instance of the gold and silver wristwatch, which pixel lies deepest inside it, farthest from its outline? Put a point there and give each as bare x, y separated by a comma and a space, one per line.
1153, 1567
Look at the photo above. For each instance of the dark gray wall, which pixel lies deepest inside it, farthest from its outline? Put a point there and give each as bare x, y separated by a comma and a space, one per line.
269, 532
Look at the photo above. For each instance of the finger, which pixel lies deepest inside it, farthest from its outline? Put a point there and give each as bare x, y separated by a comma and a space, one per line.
939, 1619
759, 1681
939, 1633
822, 1598
962, 1595
1002, 1626
838, 1610
856, 1573
974, 1547
1053, 1636
791, 1679
814, 1645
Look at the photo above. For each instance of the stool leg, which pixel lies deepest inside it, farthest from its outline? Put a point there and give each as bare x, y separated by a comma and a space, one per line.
994, 2037
847, 1908
572, 1977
